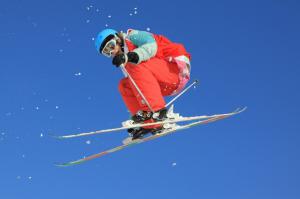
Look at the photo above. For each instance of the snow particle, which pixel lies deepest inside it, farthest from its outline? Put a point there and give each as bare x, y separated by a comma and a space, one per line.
174, 164
29, 177
87, 21
18, 177
106, 25
130, 14
93, 38
88, 142
41, 135
135, 12
56, 107
148, 29
109, 16
37, 108
78, 74
3, 135
61, 50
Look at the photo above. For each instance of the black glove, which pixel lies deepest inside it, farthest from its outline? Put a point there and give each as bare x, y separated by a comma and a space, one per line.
133, 57
119, 59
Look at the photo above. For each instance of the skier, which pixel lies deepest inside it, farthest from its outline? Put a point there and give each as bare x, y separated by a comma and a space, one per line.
157, 66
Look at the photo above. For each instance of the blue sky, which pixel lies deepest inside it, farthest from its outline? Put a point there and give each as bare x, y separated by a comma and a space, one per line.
53, 82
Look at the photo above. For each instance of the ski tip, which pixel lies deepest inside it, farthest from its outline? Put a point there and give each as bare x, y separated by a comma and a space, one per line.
59, 137
243, 109
239, 110
71, 163
64, 164
59, 165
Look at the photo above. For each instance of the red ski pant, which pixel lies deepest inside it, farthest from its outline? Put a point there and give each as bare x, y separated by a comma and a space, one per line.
155, 78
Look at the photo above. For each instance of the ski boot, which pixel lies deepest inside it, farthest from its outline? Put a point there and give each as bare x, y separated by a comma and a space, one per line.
144, 117
138, 133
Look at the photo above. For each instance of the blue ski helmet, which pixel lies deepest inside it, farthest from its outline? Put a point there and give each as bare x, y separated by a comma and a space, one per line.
102, 36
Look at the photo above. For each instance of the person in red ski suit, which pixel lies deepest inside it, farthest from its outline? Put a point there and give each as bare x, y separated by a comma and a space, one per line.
158, 66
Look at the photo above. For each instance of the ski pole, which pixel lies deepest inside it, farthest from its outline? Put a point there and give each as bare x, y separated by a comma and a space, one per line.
187, 88
126, 74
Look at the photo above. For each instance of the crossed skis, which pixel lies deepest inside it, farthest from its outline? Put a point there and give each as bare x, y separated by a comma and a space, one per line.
171, 127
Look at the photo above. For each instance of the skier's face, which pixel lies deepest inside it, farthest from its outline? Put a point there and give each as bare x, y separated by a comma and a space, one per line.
117, 50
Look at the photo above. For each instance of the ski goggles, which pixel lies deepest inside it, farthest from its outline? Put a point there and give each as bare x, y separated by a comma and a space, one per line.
109, 47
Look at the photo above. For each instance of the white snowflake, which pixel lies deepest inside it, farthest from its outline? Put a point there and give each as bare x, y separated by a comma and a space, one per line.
87, 21
41, 135
109, 16
148, 29
56, 107
78, 74
174, 164
37, 108
88, 142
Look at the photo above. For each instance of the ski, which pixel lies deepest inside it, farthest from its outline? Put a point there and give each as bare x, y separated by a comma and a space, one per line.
127, 124
152, 137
